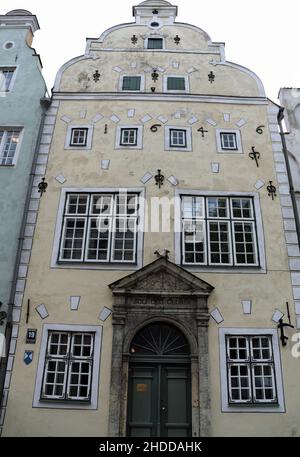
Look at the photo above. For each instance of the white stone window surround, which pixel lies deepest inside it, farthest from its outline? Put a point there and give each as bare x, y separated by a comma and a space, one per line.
142, 87
89, 139
139, 142
18, 148
221, 269
149, 37
239, 145
165, 84
15, 68
93, 403
85, 266
188, 131
232, 408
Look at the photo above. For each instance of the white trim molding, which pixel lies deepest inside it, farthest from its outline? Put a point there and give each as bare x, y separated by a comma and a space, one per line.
93, 403
279, 407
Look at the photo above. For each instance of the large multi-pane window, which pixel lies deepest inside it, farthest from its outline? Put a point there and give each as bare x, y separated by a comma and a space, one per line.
250, 369
99, 228
68, 366
6, 79
9, 140
219, 231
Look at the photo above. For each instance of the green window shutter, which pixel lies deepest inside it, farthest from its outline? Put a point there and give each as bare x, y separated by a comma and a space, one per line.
155, 43
176, 83
131, 83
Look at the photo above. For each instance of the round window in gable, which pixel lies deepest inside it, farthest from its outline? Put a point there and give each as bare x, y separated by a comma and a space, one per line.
9, 45
154, 24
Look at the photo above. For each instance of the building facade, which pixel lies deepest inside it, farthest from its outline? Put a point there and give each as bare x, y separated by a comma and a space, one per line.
159, 270
21, 88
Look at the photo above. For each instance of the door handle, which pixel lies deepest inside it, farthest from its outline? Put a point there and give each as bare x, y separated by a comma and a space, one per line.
163, 408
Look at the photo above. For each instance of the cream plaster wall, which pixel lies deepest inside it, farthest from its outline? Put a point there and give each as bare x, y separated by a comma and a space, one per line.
238, 173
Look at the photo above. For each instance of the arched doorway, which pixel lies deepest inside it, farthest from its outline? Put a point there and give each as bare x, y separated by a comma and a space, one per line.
159, 383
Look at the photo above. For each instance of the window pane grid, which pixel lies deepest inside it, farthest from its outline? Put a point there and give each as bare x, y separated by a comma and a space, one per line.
228, 141
79, 137
178, 138
250, 368
194, 239
128, 137
106, 233
68, 366
9, 140
231, 240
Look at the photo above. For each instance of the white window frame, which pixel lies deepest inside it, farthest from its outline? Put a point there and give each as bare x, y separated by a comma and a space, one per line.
261, 257
89, 139
188, 131
154, 37
142, 86
165, 84
227, 407
17, 152
99, 266
68, 404
239, 145
139, 139
13, 79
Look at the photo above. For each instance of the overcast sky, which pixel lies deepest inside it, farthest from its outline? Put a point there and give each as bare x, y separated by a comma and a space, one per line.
262, 35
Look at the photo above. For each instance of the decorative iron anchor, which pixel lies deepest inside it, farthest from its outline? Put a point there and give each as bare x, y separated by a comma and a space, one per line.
202, 131
177, 39
154, 75
96, 76
159, 179
282, 324
134, 39
271, 190
255, 155
211, 77
42, 186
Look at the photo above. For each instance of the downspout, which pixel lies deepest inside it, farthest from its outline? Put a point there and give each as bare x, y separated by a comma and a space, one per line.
280, 117
45, 103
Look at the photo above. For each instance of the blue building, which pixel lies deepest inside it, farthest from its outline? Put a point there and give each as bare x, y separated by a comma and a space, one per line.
22, 104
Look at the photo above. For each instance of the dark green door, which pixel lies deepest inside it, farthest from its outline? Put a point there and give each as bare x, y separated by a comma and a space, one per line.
159, 391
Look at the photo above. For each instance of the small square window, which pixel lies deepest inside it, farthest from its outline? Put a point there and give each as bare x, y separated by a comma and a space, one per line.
155, 43
128, 137
228, 140
178, 138
79, 137
175, 83
131, 83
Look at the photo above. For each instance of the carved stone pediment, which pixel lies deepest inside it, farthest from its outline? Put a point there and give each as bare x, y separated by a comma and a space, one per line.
162, 276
